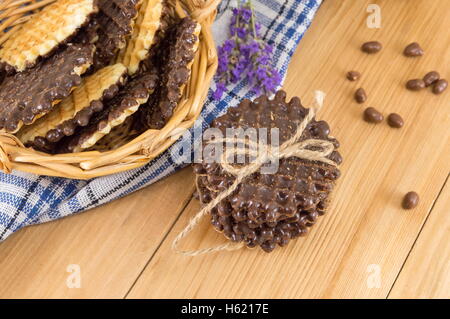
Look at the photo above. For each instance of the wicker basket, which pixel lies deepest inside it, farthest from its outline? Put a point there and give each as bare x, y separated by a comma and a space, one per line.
142, 149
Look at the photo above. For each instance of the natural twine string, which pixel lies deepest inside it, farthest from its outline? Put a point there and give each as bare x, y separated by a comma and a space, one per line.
290, 148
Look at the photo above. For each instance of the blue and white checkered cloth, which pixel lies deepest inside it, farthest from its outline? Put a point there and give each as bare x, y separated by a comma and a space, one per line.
27, 199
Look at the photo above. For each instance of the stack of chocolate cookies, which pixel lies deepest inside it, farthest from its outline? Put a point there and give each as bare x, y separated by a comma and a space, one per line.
269, 209
80, 71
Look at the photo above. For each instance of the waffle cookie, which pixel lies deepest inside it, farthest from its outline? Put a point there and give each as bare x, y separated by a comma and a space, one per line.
75, 110
43, 33
109, 29
28, 95
177, 54
167, 20
143, 35
127, 102
117, 137
267, 210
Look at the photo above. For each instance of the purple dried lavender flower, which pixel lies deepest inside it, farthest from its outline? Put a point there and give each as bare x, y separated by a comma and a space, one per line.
220, 89
224, 55
241, 33
263, 59
244, 54
271, 82
257, 28
265, 79
261, 73
250, 48
236, 74
246, 14
223, 63
228, 45
268, 49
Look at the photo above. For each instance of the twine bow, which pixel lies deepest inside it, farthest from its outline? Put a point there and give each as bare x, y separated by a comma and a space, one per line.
311, 149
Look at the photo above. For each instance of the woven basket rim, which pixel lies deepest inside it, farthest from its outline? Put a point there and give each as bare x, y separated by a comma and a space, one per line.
142, 149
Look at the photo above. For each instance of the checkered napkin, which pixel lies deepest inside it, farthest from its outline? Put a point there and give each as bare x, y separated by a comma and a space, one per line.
27, 199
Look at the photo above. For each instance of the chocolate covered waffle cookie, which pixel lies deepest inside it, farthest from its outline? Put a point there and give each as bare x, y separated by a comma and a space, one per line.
44, 32
124, 104
29, 95
175, 56
144, 34
271, 209
109, 29
60, 90
75, 110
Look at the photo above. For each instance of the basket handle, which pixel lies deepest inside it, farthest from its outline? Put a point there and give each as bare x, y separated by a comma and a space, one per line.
5, 140
200, 9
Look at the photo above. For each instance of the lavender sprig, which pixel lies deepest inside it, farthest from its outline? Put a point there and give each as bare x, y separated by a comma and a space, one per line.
246, 55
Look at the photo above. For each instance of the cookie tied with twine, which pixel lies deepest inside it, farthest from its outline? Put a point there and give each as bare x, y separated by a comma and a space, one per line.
252, 208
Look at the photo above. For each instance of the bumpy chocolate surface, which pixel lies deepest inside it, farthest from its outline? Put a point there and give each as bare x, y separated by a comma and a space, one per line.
82, 118
268, 210
109, 29
174, 55
48, 143
167, 19
2, 74
138, 88
46, 31
33, 92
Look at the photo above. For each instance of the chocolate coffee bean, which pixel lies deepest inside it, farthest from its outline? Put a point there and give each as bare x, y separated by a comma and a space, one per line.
371, 115
440, 86
353, 75
413, 49
415, 84
395, 120
360, 95
410, 200
371, 47
431, 77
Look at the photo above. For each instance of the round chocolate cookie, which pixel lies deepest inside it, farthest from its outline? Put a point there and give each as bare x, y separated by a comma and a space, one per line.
175, 56
28, 95
117, 110
109, 29
270, 209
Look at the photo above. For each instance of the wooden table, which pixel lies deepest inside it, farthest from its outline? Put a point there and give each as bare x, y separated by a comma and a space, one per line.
365, 247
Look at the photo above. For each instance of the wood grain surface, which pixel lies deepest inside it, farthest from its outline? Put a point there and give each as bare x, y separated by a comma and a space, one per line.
426, 273
366, 246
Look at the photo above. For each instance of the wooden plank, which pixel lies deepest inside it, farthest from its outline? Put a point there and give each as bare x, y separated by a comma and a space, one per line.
426, 273
110, 244
365, 230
